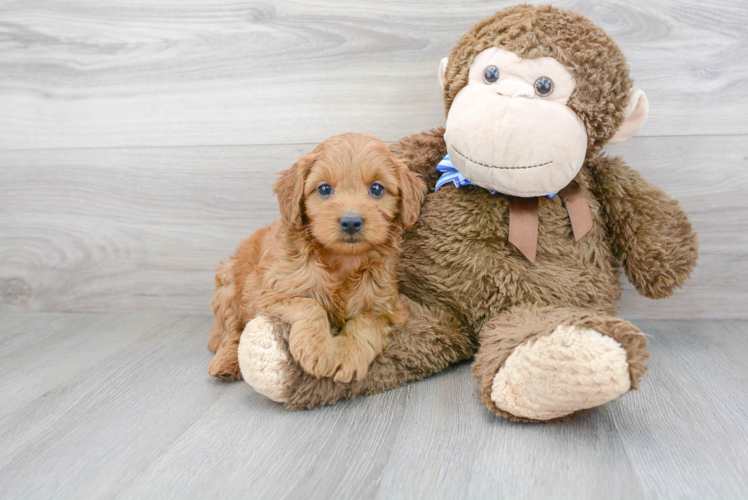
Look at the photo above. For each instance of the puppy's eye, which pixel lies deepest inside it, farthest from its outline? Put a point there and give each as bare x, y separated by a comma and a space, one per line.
543, 86
491, 74
376, 190
324, 190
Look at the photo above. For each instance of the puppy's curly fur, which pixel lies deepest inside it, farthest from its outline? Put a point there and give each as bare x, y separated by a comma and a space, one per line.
319, 277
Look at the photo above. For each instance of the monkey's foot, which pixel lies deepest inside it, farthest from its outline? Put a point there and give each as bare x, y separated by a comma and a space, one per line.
264, 357
552, 376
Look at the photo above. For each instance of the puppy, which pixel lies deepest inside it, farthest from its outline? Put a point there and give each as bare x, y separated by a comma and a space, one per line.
328, 265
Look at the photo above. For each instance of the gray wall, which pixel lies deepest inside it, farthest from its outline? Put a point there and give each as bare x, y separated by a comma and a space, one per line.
138, 141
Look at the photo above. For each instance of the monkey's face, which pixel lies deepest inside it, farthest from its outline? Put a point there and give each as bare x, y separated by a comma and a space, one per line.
509, 129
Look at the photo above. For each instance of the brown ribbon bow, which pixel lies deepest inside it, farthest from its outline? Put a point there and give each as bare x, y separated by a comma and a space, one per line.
523, 219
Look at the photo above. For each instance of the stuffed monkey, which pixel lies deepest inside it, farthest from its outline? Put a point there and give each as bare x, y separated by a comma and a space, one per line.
515, 258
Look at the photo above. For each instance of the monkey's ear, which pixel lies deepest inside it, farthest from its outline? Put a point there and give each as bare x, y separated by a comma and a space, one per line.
290, 191
412, 192
443, 72
636, 115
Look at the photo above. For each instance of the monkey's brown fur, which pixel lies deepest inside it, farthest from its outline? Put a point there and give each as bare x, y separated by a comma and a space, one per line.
315, 276
468, 291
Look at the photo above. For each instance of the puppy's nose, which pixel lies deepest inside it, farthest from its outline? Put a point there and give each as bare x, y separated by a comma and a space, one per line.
351, 223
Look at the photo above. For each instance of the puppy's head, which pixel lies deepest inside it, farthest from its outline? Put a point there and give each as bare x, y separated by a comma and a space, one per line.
351, 193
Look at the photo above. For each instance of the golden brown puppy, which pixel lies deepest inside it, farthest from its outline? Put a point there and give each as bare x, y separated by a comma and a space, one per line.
328, 264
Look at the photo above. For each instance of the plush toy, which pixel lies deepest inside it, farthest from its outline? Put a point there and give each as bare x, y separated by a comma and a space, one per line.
516, 255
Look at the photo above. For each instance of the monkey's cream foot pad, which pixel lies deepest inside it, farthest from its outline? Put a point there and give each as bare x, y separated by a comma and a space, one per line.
263, 360
555, 375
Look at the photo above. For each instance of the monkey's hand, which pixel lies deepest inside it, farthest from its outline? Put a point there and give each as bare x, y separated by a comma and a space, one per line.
650, 233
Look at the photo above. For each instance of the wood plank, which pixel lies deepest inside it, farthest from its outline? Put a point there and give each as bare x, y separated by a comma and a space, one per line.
141, 229
111, 429
686, 431
98, 429
38, 357
88, 229
144, 419
171, 73
248, 446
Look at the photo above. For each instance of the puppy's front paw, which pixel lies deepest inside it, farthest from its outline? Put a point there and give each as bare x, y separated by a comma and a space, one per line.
314, 352
553, 376
353, 359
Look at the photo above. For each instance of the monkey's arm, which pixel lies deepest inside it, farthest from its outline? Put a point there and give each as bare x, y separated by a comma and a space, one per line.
421, 152
650, 234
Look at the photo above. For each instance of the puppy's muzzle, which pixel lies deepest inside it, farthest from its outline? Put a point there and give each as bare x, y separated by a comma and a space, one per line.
351, 223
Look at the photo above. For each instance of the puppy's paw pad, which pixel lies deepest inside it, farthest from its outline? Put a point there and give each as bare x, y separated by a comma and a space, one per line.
264, 362
552, 376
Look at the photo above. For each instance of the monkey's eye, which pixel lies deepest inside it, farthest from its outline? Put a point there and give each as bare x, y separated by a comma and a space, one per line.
324, 190
543, 86
376, 190
491, 74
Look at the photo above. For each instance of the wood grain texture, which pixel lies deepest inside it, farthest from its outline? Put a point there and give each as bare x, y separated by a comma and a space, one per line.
174, 73
686, 429
121, 229
141, 417
142, 229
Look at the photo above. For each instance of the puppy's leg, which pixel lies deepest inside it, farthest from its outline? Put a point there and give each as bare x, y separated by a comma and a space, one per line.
227, 328
360, 341
309, 340
225, 364
224, 300
216, 335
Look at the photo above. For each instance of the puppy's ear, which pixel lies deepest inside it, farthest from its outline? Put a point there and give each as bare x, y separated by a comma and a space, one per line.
412, 192
290, 190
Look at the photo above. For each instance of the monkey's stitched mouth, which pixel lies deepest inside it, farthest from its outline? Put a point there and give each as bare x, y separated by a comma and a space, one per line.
501, 168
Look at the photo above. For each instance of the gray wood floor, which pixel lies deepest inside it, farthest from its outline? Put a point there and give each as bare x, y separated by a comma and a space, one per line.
120, 406
138, 143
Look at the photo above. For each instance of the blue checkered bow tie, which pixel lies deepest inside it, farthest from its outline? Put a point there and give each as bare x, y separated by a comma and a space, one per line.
451, 174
